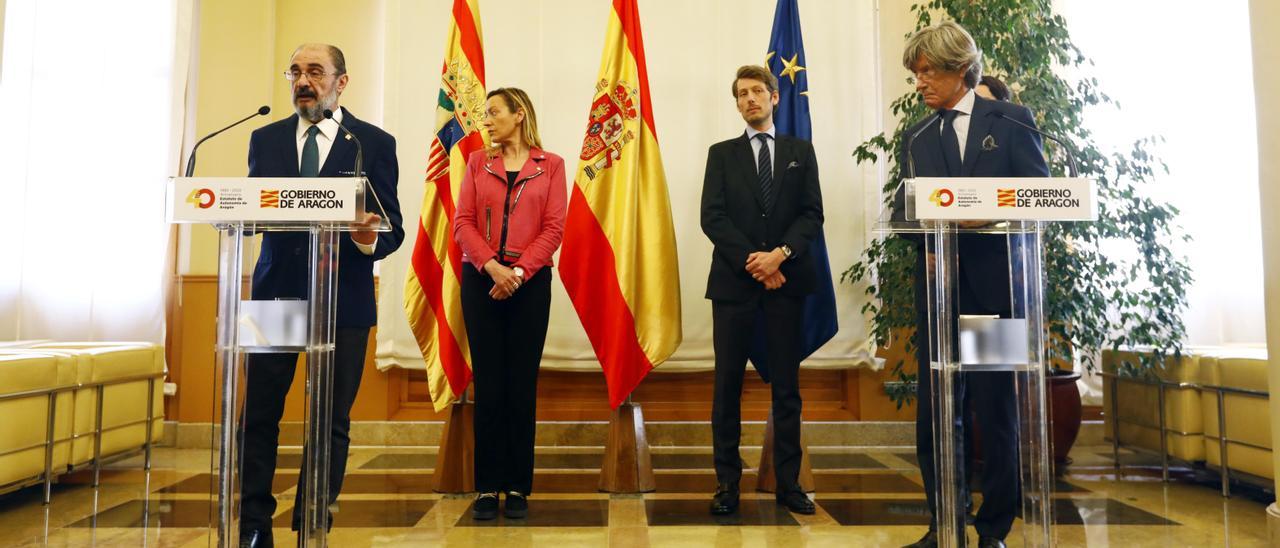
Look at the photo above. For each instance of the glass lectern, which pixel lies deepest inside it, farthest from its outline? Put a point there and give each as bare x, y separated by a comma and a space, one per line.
983, 304
239, 208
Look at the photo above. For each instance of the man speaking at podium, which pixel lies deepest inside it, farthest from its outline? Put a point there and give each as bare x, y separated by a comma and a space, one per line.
968, 136
307, 144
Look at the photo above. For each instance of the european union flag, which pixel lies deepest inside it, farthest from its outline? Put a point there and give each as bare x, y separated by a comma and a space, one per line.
785, 58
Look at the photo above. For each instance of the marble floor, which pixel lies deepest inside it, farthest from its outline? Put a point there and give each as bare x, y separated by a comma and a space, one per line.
864, 498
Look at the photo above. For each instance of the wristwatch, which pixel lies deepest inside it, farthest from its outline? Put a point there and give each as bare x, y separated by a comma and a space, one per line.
786, 250
519, 272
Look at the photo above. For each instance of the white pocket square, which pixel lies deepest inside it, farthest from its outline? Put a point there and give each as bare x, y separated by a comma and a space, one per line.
793, 164
989, 144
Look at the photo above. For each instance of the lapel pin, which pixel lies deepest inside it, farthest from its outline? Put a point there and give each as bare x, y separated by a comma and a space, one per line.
349, 136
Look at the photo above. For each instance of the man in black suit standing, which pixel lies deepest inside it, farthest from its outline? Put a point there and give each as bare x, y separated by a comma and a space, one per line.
761, 208
968, 136
307, 144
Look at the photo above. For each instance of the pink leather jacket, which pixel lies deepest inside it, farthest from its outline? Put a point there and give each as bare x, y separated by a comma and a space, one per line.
533, 210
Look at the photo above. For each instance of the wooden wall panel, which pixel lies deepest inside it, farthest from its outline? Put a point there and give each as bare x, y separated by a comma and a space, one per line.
401, 395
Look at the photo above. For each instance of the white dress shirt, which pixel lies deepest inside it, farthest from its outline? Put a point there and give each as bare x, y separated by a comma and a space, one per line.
755, 145
964, 113
324, 143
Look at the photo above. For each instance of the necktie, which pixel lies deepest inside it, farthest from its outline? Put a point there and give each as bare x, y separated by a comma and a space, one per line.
951, 143
310, 155
764, 169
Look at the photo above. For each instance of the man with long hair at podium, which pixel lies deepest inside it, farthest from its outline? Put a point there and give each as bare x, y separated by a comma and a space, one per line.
308, 144
967, 136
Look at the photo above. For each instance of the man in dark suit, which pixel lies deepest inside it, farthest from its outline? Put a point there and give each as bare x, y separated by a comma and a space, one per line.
761, 208
968, 136
308, 145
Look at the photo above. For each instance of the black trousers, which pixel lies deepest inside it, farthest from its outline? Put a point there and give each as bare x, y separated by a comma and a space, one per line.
267, 383
733, 328
992, 399
506, 339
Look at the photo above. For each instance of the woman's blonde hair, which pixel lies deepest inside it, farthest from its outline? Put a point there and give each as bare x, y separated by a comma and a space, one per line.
517, 100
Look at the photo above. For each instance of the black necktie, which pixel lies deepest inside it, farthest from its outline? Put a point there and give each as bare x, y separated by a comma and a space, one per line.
764, 168
951, 143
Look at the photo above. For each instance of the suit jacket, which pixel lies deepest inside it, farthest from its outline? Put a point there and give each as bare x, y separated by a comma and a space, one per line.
283, 265
734, 217
983, 259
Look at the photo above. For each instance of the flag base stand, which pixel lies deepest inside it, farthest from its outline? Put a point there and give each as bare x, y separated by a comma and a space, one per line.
627, 467
766, 480
455, 462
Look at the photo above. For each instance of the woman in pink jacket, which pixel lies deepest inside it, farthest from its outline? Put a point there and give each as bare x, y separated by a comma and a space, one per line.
510, 219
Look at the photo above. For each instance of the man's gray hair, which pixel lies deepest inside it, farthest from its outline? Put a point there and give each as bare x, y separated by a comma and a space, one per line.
947, 47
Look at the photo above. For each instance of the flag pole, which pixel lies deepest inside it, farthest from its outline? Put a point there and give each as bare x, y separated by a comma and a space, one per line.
455, 461
627, 467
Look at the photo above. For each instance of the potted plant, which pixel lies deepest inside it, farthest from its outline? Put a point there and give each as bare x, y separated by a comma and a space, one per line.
1092, 300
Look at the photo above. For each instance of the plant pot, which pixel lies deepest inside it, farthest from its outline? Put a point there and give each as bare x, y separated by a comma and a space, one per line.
1065, 412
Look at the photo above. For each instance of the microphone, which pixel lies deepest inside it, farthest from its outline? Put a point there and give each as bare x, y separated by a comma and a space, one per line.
911, 161
191, 160
1071, 151
328, 114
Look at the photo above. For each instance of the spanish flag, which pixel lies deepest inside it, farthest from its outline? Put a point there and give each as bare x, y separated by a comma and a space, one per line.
618, 260
432, 292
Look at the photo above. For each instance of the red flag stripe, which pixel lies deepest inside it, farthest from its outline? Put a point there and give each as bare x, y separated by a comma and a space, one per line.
431, 277
597, 296
462, 16
629, 15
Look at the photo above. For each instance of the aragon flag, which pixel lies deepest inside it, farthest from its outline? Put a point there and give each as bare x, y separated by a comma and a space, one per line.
431, 293
618, 260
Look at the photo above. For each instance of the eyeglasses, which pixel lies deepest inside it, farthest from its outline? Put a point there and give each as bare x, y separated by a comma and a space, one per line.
926, 74
313, 75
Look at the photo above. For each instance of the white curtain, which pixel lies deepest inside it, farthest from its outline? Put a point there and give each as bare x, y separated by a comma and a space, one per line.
1184, 71
552, 48
91, 97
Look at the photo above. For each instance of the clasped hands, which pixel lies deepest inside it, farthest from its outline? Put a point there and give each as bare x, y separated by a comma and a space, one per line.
763, 267
505, 280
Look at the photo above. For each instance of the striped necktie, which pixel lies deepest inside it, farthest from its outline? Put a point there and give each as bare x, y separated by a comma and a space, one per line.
764, 169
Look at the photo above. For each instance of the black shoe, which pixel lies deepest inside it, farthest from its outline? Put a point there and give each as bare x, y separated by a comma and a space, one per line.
990, 542
517, 506
255, 538
929, 540
725, 501
485, 507
796, 501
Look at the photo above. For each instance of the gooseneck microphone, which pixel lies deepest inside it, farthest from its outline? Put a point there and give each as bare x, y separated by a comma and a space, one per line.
191, 160
911, 161
328, 114
1070, 150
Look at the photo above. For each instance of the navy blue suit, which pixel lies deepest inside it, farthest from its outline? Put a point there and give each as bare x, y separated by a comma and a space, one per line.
982, 287
282, 272
282, 269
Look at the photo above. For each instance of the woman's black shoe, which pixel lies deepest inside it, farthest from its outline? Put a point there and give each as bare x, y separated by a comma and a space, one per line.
517, 506
485, 507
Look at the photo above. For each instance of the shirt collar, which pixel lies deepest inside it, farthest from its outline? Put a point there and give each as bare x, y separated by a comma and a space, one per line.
328, 127
751, 132
965, 106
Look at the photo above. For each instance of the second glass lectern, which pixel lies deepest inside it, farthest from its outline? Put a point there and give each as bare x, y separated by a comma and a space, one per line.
981, 296
324, 209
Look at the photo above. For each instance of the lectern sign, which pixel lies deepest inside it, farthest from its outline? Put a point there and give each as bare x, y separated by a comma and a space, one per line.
1005, 198
264, 199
